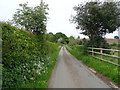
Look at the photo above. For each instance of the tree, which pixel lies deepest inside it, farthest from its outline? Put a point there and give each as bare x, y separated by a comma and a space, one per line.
60, 38
95, 19
33, 19
50, 33
116, 37
49, 36
71, 37
73, 41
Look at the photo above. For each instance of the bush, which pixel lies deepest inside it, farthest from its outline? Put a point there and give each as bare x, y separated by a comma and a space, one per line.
98, 43
25, 56
114, 45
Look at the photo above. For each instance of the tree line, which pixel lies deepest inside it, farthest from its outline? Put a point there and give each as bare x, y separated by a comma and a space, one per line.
93, 19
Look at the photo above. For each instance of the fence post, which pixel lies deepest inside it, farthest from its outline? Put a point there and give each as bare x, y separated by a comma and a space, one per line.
113, 52
116, 59
92, 51
101, 51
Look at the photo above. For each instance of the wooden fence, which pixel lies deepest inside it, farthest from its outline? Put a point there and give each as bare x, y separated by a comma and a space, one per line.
100, 51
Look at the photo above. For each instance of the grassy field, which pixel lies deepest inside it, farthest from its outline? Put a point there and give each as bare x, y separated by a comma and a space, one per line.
105, 68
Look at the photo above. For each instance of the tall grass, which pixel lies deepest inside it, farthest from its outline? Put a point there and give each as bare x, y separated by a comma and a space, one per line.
105, 68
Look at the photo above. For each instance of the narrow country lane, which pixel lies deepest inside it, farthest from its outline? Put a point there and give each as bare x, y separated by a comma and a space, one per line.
71, 73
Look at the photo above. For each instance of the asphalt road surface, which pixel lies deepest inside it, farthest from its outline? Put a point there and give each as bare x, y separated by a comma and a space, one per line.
71, 73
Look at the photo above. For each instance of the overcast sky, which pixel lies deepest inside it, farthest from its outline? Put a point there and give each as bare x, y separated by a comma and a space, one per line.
59, 14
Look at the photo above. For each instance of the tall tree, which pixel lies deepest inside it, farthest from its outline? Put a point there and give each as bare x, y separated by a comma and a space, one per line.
95, 19
32, 19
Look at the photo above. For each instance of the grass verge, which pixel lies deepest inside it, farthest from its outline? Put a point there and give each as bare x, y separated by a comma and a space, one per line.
105, 68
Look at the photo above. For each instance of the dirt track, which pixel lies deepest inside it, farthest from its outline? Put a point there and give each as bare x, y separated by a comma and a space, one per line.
71, 73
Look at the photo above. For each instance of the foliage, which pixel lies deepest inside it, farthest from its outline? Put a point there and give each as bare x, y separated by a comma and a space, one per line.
95, 19
84, 41
25, 58
32, 19
71, 37
49, 37
94, 43
116, 37
115, 46
60, 38
105, 68
73, 41
50, 33
42, 81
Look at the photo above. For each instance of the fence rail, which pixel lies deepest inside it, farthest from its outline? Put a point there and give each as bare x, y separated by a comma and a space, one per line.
92, 50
